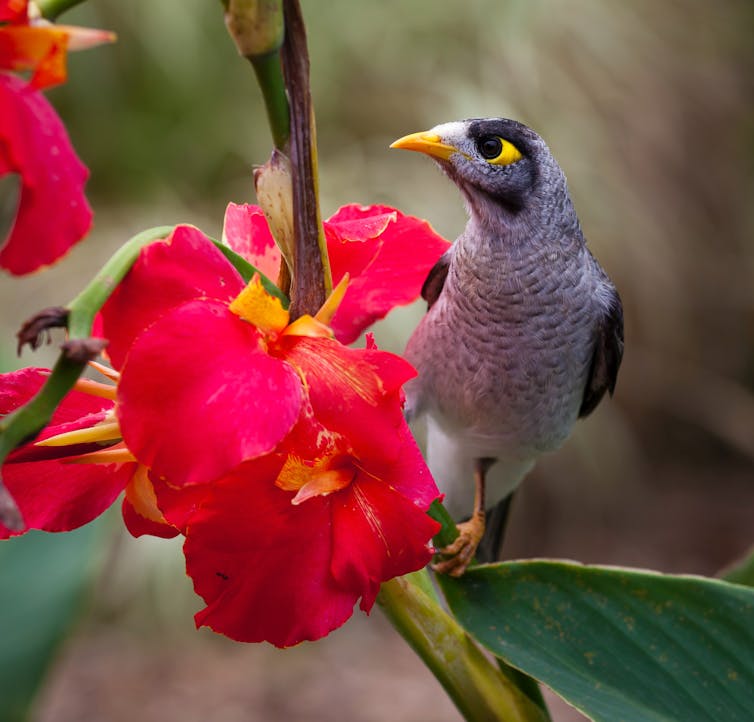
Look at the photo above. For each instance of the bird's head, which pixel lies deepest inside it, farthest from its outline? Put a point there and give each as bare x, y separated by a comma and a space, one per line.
501, 166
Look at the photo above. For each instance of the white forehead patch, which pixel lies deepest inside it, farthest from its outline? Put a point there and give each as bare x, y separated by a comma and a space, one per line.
450, 132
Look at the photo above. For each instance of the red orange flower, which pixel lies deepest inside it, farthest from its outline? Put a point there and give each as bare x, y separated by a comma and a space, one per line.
53, 213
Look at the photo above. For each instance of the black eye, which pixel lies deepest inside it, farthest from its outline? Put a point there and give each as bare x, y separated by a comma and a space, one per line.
490, 147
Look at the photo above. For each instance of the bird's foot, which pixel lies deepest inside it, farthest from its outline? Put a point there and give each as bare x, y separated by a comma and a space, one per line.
459, 554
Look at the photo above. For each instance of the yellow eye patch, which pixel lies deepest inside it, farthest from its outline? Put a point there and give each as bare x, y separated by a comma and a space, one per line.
498, 151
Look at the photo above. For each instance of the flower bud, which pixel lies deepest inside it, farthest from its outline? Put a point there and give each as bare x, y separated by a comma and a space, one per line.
256, 26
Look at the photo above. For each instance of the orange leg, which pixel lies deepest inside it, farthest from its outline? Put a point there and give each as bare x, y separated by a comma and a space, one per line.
459, 554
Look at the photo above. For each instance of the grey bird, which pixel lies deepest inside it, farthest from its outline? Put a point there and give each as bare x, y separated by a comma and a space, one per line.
523, 333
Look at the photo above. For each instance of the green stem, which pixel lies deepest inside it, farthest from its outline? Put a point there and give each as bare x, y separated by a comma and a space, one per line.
50, 9
28, 420
269, 74
84, 307
477, 687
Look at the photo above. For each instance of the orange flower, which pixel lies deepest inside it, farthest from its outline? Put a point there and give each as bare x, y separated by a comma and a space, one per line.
33, 44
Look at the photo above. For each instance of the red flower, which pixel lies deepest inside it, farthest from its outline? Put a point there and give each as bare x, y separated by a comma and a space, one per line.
313, 492
53, 213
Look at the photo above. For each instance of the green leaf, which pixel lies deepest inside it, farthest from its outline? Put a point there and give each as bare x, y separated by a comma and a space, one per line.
618, 644
741, 571
42, 580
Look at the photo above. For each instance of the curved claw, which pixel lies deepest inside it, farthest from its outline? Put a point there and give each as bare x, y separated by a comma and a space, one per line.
461, 552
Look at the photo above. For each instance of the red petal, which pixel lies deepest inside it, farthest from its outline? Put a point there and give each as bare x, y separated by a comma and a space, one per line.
17, 387
14, 11
138, 525
353, 244
246, 231
179, 504
388, 267
261, 564
53, 213
378, 534
56, 496
353, 391
407, 473
191, 412
185, 266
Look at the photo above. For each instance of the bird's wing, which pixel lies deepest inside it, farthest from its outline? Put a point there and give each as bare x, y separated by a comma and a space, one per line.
436, 279
608, 352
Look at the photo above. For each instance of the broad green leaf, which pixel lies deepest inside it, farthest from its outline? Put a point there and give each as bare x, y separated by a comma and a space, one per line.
620, 645
42, 579
741, 571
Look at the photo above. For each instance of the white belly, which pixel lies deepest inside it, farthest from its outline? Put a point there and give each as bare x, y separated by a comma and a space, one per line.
450, 457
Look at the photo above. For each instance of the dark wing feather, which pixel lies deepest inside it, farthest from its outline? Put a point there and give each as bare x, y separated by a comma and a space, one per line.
435, 280
608, 352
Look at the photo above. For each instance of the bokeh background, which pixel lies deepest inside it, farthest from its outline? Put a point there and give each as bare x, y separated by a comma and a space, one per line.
647, 106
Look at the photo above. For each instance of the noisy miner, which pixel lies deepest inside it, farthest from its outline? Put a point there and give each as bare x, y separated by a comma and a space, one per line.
523, 333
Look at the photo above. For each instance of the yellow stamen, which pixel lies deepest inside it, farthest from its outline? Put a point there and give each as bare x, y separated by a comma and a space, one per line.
307, 325
95, 388
92, 434
324, 483
294, 474
255, 305
312, 479
117, 454
106, 371
330, 306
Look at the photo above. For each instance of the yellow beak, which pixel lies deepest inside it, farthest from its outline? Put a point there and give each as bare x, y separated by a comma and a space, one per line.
425, 142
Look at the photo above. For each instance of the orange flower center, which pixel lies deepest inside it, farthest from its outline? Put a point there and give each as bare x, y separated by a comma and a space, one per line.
319, 478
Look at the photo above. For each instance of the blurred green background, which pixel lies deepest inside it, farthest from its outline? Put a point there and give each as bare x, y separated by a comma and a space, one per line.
647, 106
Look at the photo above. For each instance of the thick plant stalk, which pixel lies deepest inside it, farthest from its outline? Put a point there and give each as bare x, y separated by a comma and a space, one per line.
477, 687
447, 535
